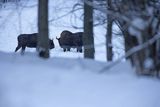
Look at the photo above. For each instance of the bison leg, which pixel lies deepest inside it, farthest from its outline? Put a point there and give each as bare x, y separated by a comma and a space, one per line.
17, 48
23, 49
64, 49
68, 49
79, 49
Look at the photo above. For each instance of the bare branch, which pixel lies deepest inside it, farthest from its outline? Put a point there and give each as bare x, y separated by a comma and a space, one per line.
131, 52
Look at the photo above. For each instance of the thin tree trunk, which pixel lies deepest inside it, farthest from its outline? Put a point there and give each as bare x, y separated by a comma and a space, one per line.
43, 39
88, 39
109, 33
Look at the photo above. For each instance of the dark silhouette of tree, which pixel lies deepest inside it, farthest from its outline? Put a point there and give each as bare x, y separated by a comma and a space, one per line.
43, 39
109, 33
88, 39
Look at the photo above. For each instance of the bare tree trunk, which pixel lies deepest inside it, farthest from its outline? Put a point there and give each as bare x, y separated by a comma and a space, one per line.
43, 39
88, 39
109, 33
145, 61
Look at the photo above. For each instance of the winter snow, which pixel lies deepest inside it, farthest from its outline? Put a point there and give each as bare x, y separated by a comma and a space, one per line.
66, 79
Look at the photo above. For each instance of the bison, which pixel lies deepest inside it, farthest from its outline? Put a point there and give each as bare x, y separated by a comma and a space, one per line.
30, 40
70, 40
65, 40
77, 41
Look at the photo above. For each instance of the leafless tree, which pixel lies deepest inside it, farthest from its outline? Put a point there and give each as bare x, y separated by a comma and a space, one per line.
109, 33
43, 39
88, 39
139, 21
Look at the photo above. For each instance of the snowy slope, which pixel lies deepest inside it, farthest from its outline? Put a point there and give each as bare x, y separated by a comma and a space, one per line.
63, 82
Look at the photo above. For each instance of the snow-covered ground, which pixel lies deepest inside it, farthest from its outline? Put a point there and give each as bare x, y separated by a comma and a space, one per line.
66, 79
29, 81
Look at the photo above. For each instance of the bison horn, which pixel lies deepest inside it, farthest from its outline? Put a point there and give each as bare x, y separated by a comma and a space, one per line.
57, 38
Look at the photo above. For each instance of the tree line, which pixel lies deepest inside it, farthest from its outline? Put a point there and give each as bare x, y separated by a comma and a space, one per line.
138, 21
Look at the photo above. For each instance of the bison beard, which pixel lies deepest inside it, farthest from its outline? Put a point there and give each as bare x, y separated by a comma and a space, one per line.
29, 40
70, 40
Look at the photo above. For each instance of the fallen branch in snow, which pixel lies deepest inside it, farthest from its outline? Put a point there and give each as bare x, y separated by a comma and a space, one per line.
131, 51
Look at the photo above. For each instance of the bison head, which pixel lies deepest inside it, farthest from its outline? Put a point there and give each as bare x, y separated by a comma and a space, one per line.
51, 44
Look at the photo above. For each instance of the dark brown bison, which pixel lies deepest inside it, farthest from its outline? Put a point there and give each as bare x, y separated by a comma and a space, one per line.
30, 40
65, 40
70, 40
77, 41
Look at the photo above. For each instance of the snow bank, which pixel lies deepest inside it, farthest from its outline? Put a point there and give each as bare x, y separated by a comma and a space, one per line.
27, 81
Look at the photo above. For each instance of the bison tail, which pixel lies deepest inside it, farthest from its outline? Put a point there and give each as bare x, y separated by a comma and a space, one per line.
17, 48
